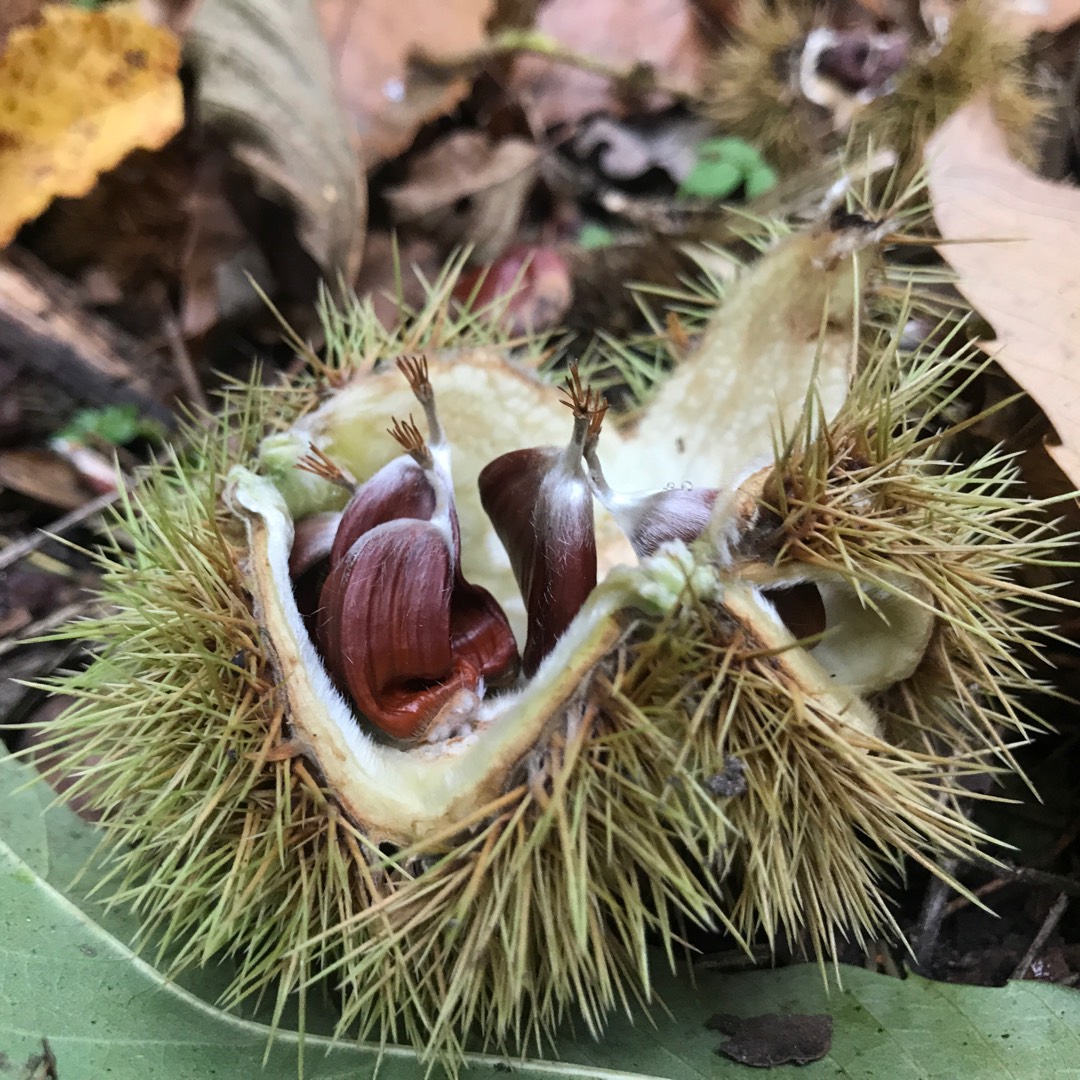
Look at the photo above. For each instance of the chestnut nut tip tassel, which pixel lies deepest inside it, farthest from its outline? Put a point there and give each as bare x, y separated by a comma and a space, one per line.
316, 462
408, 436
415, 370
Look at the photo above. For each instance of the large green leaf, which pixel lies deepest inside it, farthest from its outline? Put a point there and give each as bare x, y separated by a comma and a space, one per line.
65, 974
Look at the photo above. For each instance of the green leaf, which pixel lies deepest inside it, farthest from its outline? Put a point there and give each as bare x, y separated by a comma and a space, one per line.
728, 148
723, 166
109, 1014
712, 180
759, 180
595, 235
113, 424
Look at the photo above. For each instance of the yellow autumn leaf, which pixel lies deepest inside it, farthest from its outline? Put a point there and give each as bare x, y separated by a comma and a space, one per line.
78, 92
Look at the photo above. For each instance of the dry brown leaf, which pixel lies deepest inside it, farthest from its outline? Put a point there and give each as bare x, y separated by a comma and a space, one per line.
43, 475
77, 93
1027, 282
627, 150
370, 42
661, 33
263, 83
466, 190
156, 224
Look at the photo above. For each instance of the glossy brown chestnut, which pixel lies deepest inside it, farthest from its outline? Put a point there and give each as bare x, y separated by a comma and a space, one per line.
309, 562
400, 629
541, 506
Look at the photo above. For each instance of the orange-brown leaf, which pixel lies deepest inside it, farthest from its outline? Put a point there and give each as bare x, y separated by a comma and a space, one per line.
371, 42
77, 93
1026, 283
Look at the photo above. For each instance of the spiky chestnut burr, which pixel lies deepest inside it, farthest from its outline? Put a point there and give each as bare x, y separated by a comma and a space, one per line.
798, 87
496, 878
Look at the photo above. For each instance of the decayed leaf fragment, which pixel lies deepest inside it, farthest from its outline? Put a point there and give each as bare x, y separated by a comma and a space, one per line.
77, 93
16, 13
466, 190
1024, 279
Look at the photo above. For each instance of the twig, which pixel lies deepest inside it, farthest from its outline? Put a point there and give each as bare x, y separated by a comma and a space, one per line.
933, 913
29, 544
1053, 917
182, 360
1010, 874
638, 80
934, 907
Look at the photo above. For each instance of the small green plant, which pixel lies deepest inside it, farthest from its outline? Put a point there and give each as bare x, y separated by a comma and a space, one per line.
594, 235
723, 166
115, 425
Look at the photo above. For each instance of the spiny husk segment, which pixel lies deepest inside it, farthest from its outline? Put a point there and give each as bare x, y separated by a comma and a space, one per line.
875, 500
878, 502
882, 499
541, 902
548, 902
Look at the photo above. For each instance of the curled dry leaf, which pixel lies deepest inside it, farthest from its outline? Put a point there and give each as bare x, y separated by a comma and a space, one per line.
465, 190
628, 150
1024, 277
370, 42
264, 81
78, 92
663, 34
43, 475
